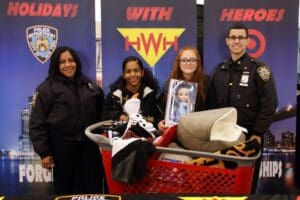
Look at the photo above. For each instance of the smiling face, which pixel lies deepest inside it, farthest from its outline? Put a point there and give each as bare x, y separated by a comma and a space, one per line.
133, 75
237, 42
67, 65
188, 63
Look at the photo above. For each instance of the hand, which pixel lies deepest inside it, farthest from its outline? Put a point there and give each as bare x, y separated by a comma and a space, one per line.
162, 126
48, 162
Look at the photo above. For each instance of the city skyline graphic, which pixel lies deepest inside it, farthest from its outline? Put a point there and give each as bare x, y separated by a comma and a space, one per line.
282, 128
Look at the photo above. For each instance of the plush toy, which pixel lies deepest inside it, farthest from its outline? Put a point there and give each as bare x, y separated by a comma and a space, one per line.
131, 152
137, 126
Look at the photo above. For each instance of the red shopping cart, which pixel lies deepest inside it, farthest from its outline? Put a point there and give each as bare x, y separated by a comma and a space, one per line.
168, 177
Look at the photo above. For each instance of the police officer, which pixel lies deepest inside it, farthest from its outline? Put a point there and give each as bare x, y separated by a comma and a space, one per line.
65, 104
246, 84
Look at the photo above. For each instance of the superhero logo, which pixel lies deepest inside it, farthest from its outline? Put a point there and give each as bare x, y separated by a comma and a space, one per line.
257, 43
42, 41
151, 43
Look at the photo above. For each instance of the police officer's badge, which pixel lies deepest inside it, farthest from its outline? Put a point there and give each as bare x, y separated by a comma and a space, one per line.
264, 72
245, 79
42, 41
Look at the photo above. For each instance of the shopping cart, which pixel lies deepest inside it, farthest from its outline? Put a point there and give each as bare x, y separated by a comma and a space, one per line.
168, 177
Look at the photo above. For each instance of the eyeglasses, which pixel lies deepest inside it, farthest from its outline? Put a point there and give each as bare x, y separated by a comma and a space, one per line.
191, 60
240, 37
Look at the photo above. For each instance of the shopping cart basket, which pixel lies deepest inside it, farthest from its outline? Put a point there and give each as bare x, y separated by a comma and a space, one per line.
168, 177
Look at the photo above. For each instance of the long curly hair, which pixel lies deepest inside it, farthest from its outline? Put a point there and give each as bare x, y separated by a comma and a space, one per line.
199, 75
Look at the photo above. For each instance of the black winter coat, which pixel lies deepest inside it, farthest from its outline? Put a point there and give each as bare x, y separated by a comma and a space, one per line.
247, 85
62, 109
113, 106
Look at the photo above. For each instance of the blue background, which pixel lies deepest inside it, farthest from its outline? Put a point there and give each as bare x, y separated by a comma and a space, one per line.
21, 72
113, 50
280, 54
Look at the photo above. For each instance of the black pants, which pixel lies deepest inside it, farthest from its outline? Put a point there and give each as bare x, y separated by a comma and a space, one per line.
78, 168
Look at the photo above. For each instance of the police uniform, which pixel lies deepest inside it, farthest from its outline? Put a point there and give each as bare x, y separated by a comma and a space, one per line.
62, 109
247, 85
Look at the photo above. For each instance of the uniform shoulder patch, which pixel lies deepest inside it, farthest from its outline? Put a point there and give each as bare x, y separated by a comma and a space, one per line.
35, 95
264, 72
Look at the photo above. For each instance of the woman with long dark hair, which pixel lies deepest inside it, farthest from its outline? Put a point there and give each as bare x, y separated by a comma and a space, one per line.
65, 104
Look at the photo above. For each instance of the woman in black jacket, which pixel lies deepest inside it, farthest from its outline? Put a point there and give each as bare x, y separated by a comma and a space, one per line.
135, 82
64, 105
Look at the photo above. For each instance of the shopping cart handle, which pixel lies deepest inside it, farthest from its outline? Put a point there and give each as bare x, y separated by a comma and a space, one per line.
99, 139
104, 143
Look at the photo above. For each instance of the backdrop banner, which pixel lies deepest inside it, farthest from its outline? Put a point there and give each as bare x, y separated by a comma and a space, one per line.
152, 30
273, 28
30, 31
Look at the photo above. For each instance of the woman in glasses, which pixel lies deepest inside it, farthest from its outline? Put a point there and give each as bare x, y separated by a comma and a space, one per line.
187, 66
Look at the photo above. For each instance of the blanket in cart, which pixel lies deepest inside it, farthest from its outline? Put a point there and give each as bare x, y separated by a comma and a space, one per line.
129, 159
210, 130
248, 148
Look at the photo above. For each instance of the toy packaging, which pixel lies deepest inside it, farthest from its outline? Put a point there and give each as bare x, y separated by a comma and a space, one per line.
181, 100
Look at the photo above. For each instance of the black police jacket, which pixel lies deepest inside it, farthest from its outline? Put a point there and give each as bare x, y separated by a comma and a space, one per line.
250, 88
62, 109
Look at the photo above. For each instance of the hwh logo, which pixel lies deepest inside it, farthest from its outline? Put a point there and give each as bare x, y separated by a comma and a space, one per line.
151, 43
